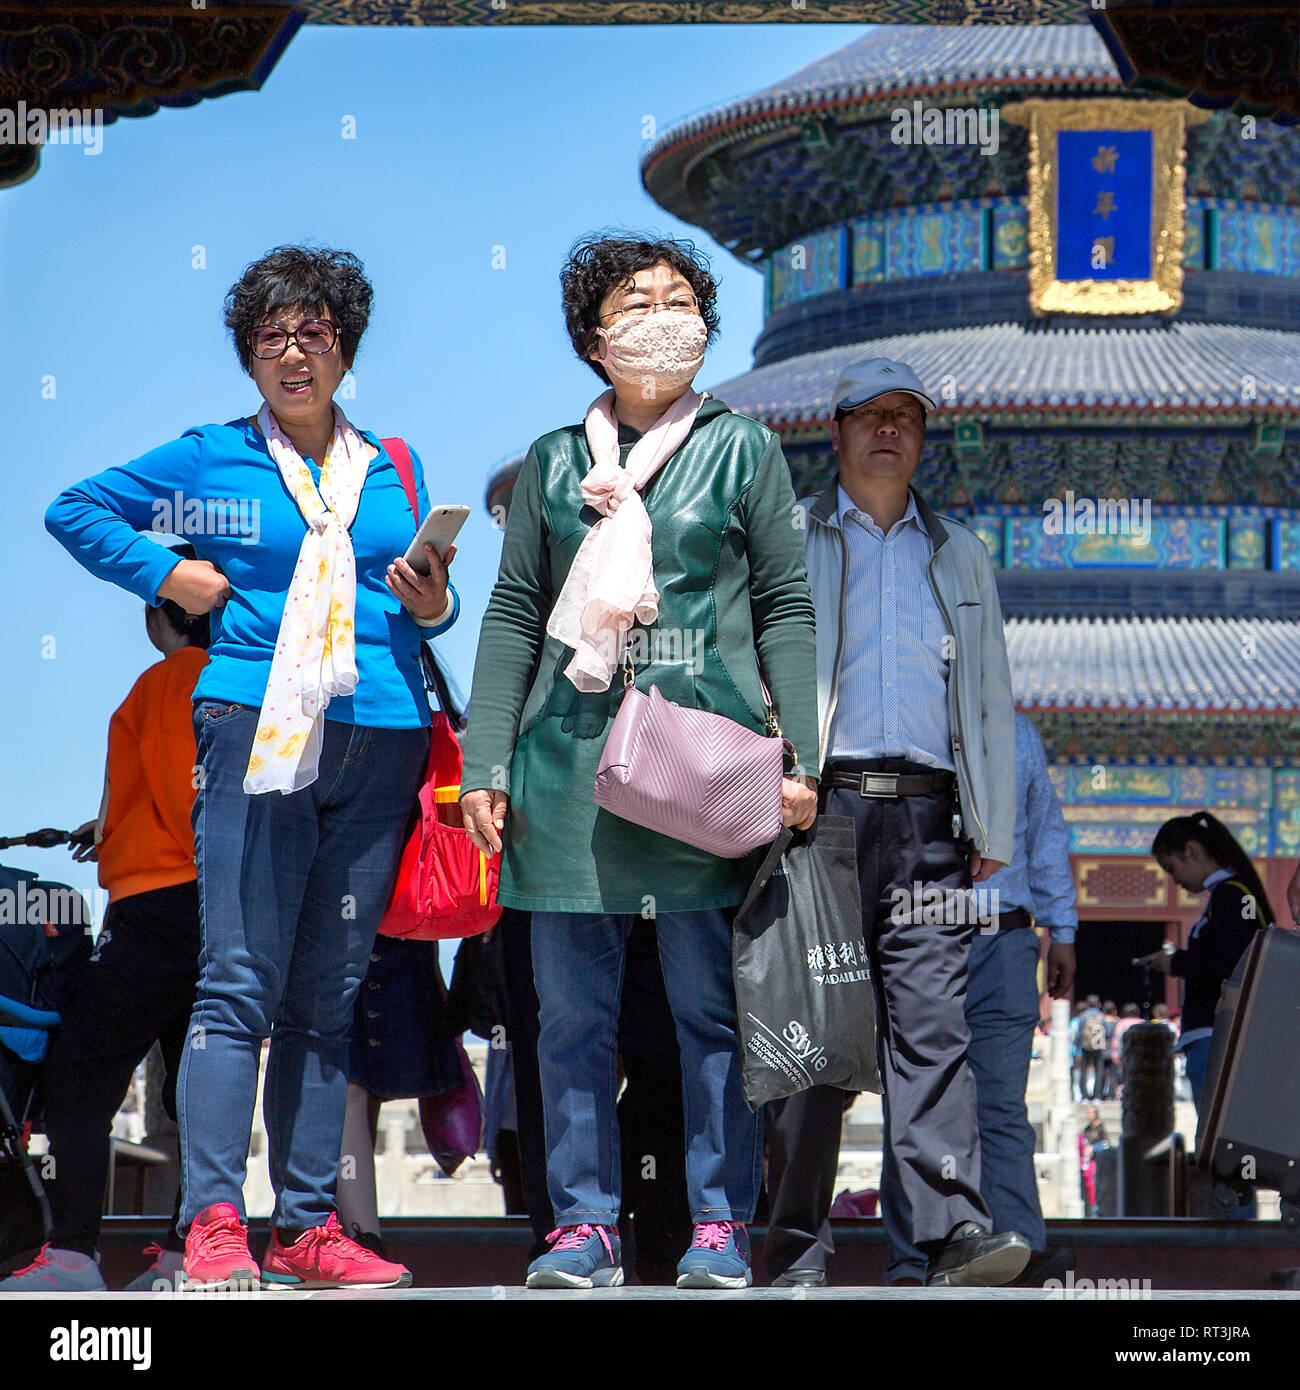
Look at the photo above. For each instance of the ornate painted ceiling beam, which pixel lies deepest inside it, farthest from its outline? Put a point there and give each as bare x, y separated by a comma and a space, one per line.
510, 12
110, 60
1216, 53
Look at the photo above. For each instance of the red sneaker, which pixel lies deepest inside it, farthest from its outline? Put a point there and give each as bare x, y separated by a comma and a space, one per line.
324, 1258
216, 1251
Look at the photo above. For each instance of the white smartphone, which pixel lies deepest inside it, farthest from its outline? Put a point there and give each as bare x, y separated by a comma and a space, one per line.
439, 529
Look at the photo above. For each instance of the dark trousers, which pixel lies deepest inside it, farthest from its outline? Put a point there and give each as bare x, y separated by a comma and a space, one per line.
919, 968
1108, 1074
515, 930
137, 990
804, 1131
803, 1157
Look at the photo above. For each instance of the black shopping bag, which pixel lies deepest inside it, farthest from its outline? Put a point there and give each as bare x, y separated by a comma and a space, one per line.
803, 983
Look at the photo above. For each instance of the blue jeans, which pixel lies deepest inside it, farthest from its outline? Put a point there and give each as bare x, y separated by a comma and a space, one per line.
578, 968
1001, 1011
1197, 1058
291, 890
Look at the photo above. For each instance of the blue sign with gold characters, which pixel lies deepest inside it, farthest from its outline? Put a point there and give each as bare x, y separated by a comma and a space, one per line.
1106, 203
1103, 219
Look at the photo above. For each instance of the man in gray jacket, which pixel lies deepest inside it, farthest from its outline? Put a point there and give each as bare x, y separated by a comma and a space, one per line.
917, 745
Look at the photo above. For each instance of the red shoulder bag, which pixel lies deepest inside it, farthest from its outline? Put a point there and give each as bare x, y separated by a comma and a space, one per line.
445, 887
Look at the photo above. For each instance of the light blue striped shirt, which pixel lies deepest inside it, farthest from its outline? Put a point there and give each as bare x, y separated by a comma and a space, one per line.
1039, 877
892, 699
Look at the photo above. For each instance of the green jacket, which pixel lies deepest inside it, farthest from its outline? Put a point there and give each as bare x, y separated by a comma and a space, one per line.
729, 566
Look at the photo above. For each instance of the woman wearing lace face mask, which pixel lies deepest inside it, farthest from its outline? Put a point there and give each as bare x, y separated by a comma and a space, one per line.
660, 532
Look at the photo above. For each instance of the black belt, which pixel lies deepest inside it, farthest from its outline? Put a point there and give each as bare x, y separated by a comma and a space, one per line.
891, 784
1017, 917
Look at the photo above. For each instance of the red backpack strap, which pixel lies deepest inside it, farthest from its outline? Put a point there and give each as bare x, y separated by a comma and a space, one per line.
401, 457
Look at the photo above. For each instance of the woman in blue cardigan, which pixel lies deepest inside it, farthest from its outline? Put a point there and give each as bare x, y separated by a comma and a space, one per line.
311, 725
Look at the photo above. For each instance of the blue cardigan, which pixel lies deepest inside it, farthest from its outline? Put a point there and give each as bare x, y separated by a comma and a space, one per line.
218, 488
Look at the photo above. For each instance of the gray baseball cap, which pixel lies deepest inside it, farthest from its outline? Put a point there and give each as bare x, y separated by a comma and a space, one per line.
869, 377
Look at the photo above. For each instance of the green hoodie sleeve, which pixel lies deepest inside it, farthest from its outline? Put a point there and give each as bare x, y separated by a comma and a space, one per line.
511, 638
781, 603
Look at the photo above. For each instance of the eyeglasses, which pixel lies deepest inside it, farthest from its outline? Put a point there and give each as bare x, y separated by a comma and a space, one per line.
687, 303
312, 335
901, 414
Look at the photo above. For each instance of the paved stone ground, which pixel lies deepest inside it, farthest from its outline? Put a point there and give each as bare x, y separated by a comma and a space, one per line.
639, 1294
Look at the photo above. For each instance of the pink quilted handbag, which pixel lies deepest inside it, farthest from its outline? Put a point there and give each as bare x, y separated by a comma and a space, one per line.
692, 774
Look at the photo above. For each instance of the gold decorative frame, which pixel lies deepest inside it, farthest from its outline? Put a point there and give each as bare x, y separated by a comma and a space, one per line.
1167, 121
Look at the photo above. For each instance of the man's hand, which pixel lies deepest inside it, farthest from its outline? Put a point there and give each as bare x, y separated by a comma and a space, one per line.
798, 802
981, 869
484, 814
1060, 970
1157, 960
197, 585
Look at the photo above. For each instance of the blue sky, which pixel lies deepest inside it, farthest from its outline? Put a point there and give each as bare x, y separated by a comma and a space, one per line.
466, 140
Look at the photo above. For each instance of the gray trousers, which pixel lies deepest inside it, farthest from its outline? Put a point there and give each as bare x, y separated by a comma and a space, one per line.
919, 969
804, 1131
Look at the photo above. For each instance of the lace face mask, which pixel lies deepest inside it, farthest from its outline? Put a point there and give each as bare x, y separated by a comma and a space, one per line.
657, 354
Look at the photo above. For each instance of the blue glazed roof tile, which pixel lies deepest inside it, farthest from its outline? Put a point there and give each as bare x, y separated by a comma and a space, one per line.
1160, 665
914, 59
906, 56
1192, 366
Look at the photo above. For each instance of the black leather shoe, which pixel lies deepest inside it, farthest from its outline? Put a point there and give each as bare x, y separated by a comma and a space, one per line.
1044, 1265
800, 1279
972, 1258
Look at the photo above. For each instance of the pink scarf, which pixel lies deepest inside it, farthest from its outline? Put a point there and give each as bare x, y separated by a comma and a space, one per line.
611, 585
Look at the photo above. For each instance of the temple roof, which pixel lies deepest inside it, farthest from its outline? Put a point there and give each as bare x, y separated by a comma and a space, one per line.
1162, 665
1181, 367
907, 60
1190, 374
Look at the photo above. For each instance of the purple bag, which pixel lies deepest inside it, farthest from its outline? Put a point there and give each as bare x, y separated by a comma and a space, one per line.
692, 774
453, 1121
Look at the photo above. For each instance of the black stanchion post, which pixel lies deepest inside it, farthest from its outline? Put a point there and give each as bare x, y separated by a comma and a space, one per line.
1147, 1121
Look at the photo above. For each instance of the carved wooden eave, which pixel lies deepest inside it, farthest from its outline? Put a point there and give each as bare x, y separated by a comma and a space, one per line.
514, 12
127, 60
120, 57
1215, 53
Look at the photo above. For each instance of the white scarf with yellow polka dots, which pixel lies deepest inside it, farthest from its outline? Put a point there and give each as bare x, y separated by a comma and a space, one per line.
315, 651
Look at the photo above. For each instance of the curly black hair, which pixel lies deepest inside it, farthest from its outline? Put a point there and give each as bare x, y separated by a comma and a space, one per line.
602, 261
300, 277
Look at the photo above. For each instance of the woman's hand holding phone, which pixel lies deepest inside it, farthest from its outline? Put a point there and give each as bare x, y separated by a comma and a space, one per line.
424, 596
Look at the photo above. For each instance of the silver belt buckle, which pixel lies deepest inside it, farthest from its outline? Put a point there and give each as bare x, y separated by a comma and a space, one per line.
879, 784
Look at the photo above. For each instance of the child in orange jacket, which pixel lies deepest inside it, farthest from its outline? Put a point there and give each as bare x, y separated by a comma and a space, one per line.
139, 986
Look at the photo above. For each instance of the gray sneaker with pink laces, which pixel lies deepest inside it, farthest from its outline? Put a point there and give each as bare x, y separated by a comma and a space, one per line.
718, 1258
580, 1257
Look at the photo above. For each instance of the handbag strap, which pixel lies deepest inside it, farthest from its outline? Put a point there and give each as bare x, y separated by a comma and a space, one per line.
434, 681
400, 454
773, 724
766, 869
